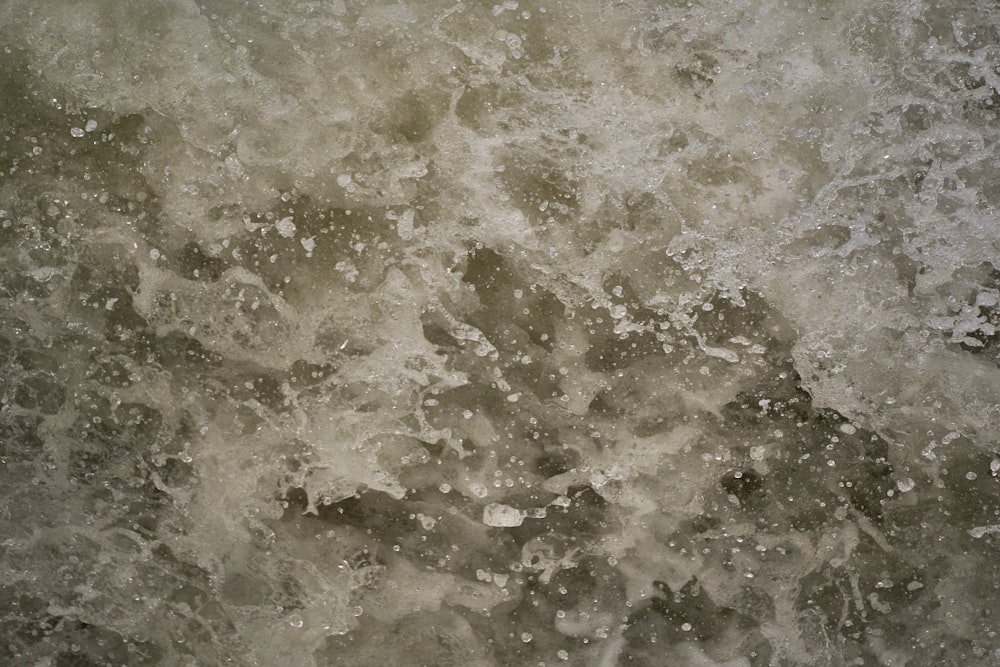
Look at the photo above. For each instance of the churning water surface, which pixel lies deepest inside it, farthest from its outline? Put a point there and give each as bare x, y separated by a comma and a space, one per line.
597, 332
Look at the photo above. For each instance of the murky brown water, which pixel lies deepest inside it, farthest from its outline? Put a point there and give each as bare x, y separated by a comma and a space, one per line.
534, 333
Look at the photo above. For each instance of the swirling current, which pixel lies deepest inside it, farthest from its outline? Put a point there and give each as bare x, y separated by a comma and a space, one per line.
545, 332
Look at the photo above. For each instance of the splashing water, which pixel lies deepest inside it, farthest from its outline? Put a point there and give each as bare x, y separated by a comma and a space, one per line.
434, 333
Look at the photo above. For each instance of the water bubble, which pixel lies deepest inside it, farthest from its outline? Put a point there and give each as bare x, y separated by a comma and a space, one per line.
502, 516
285, 227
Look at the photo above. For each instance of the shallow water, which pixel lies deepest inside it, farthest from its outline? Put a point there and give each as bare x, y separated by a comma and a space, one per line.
534, 333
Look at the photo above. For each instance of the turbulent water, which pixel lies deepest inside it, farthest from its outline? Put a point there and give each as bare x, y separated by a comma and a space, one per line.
597, 332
